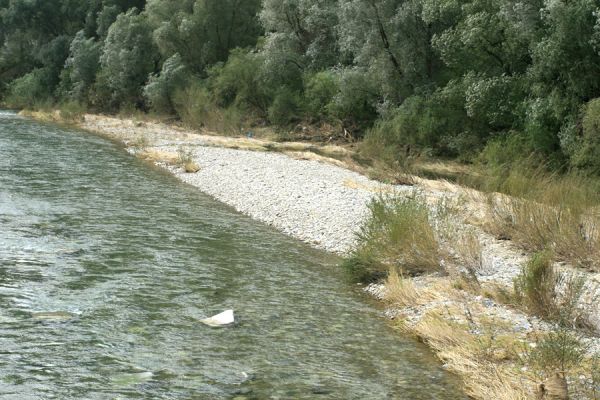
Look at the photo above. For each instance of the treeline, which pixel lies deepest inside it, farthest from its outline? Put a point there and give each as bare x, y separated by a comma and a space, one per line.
494, 79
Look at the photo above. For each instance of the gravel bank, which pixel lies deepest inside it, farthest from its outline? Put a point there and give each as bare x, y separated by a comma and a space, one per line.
320, 204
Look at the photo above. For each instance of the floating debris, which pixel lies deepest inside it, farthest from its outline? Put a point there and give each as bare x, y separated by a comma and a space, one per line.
222, 319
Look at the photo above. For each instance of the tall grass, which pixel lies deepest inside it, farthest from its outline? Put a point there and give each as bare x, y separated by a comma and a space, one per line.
550, 294
535, 286
72, 111
547, 211
398, 234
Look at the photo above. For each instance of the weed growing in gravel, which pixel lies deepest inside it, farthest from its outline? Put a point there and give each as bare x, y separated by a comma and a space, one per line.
548, 294
141, 143
400, 291
185, 159
398, 234
557, 351
555, 355
536, 284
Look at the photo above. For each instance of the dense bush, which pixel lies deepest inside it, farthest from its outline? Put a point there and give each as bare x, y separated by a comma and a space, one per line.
587, 153
82, 65
161, 88
398, 235
319, 90
238, 83
285, 108
30, 90
128, 56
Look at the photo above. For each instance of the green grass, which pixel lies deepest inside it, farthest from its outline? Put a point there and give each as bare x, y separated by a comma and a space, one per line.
398, 234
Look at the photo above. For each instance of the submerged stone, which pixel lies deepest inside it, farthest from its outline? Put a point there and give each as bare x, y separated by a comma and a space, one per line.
130, 379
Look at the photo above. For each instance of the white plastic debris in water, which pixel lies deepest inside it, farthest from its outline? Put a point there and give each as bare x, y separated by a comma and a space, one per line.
224, 318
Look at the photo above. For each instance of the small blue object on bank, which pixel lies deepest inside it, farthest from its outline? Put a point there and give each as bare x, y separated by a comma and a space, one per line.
249, 134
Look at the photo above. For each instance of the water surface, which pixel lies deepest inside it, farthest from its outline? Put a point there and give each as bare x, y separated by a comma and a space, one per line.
107, 264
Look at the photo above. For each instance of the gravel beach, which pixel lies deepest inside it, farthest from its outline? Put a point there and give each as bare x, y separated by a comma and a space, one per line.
320, 204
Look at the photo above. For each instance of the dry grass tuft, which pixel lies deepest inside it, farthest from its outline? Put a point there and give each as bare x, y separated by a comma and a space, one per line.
400, 291
191, 167
484, 379
153, 155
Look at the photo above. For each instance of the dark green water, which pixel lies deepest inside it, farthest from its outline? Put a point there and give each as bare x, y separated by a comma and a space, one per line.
136, 258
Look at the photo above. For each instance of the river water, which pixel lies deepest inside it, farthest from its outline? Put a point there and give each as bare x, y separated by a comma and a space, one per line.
107, 265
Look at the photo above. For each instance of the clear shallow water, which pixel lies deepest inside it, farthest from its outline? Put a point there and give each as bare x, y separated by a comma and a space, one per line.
128, 259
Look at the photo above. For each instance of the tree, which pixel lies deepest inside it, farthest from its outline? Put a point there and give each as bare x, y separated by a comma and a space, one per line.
162, 87
205, 35
128, 57
83, 64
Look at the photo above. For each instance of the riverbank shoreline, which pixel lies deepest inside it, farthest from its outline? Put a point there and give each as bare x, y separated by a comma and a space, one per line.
317, 199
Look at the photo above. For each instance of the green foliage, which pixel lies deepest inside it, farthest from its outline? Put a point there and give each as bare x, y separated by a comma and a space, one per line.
319, 90
558, 351
587, 153
536, 285
355, 103
548, 294
285, 108
83, 64
197, 109
128, 56
446, 78
239, 83
204, 32
72, 111
398, 234
30, 90
193, 104
161, 88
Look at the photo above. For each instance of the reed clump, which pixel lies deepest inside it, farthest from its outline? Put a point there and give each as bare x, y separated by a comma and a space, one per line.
398, 234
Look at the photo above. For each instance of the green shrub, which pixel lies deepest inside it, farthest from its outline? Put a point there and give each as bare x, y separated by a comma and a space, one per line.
434, 124
355, 102
285, 108
587, 155
160, 89
363, 266
558, 351
319, 91
238, 83
193, 103
548, 294
398, 234
503, 152
30, 90
197, 109
392, 137
536, 285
